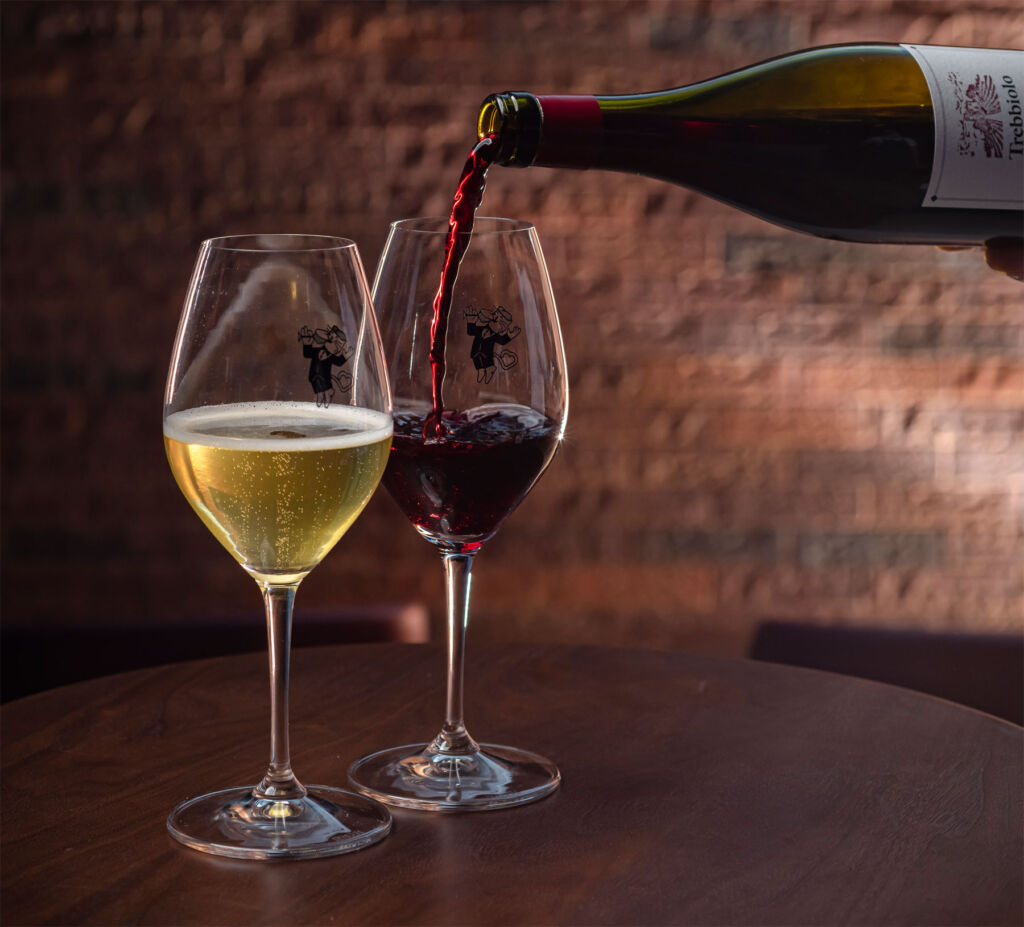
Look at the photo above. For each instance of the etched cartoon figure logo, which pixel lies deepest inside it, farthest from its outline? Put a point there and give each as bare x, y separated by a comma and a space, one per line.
326, 348
490, 327
977, 105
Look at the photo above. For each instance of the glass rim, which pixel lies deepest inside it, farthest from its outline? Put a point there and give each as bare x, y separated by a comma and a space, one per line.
251, 243
482, 225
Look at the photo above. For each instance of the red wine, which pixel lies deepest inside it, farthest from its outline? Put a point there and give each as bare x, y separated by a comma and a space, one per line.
458, 486
468, 196
867, 142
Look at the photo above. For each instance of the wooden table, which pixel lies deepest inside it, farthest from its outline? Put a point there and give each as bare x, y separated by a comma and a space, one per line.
695, 791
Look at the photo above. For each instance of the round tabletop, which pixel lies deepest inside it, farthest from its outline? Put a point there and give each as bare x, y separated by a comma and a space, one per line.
696, 791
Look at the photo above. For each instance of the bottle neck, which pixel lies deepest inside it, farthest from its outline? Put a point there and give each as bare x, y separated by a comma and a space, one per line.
543, 131
630, 132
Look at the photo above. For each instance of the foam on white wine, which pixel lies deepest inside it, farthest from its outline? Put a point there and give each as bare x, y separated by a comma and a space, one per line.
278, 483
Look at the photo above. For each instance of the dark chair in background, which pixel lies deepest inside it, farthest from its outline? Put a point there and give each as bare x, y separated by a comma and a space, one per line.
982, 671
39, 659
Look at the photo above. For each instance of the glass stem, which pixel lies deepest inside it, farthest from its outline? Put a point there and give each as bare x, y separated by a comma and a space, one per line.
279, 783
453, 737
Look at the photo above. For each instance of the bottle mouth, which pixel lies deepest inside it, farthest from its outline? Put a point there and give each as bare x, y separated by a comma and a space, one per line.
492, 117
513, 119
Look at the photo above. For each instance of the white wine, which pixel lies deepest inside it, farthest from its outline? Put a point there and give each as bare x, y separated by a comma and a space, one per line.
278, 483
866, 142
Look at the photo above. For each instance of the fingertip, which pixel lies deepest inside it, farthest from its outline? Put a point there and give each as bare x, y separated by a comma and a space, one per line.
1006, 255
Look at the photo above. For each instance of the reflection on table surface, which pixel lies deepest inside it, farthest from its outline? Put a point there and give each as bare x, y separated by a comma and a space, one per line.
695, 791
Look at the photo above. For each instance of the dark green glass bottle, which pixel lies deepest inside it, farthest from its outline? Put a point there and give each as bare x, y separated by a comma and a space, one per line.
866, 142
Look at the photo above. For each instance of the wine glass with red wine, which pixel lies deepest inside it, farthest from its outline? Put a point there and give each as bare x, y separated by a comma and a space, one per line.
480, 403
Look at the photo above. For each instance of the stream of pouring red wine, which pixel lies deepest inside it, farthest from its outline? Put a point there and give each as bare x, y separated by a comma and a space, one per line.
468, 195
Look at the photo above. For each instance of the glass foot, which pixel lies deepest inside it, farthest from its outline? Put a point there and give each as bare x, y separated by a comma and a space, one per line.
417, 776
233, 822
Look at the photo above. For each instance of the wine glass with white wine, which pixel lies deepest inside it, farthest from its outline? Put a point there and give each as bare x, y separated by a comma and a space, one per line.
277, 427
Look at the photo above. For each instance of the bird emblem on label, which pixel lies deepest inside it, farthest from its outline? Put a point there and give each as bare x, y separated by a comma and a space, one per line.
977, 105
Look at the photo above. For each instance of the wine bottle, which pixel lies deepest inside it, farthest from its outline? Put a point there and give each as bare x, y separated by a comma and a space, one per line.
866, 142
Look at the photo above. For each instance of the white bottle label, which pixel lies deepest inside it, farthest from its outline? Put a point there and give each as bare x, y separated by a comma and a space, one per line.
978, 101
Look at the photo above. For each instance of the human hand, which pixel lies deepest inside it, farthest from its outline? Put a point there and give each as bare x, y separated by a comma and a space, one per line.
1004, 254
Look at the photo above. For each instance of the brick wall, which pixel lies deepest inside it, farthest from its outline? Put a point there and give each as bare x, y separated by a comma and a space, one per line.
763, 424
